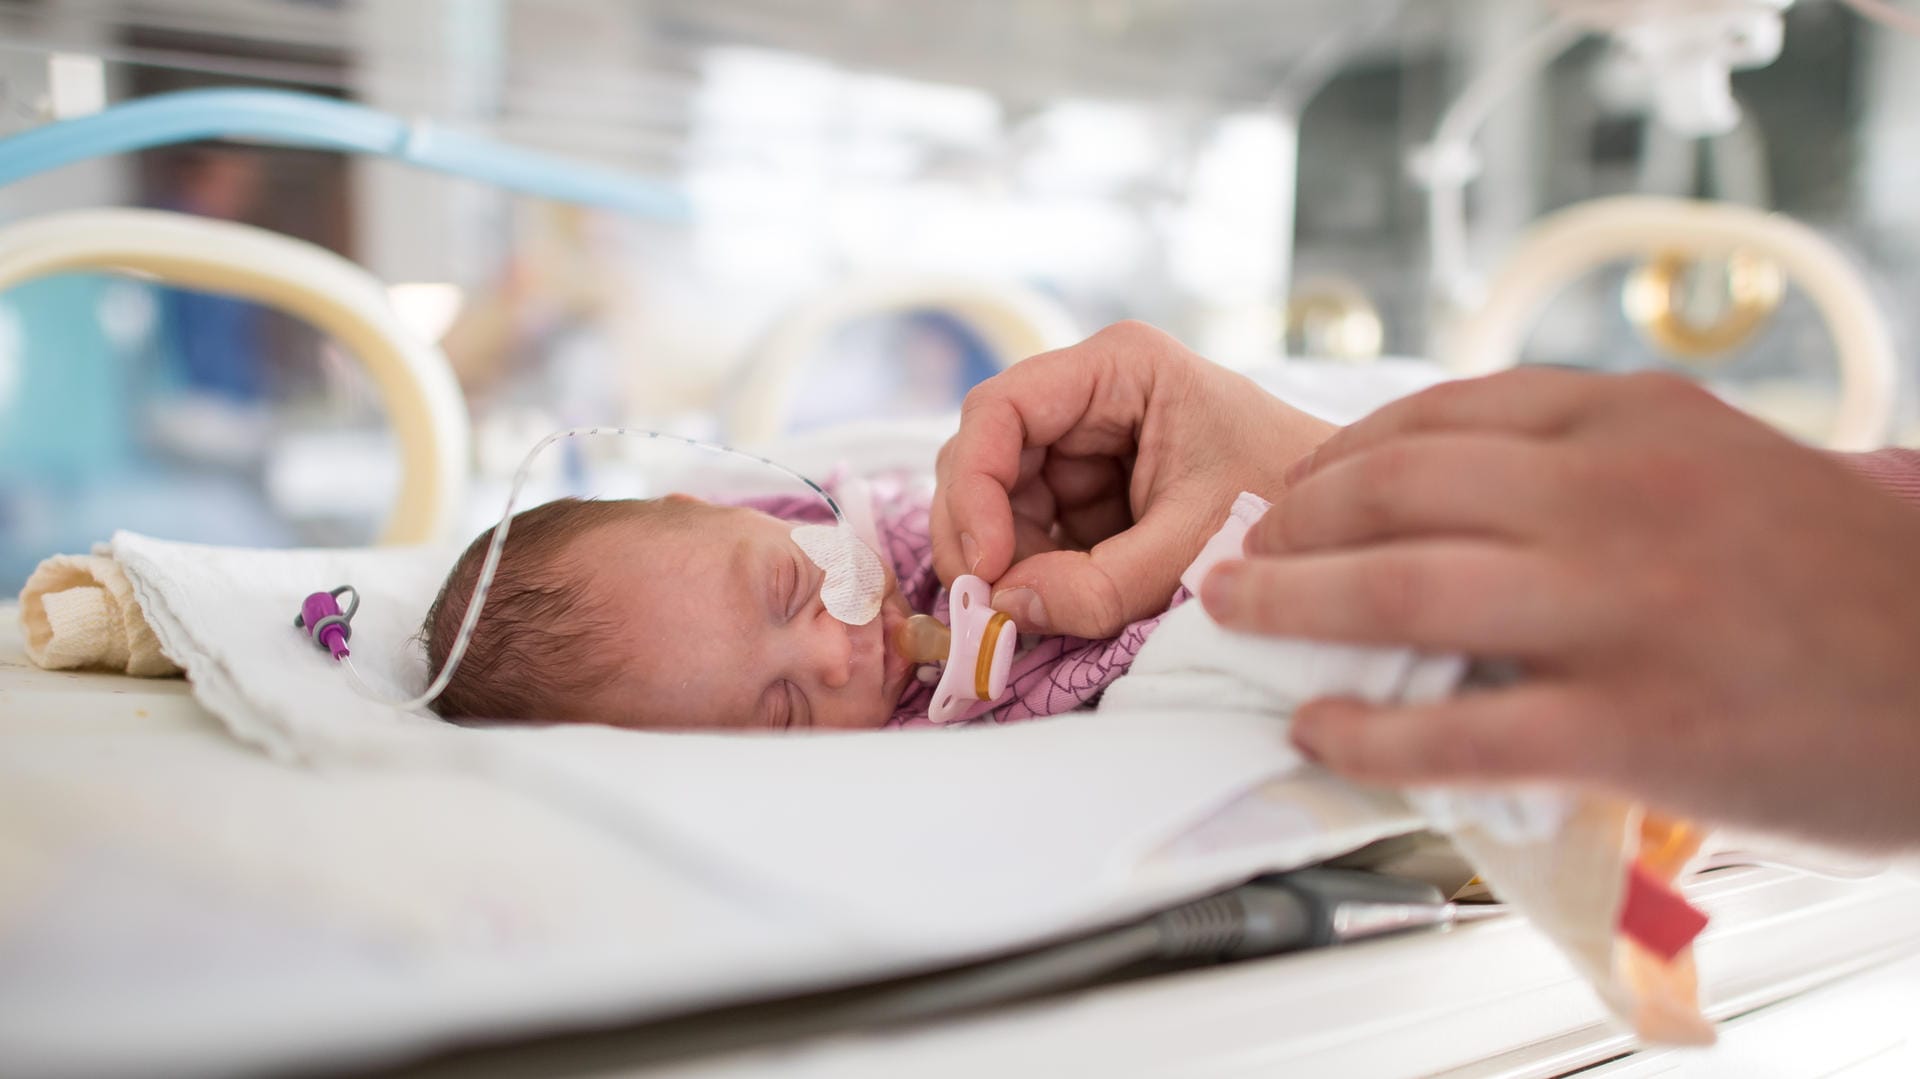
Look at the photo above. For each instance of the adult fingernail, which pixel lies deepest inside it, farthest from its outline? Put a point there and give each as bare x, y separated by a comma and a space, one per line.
969, 551
1220, 592
1298, 470
1024, 606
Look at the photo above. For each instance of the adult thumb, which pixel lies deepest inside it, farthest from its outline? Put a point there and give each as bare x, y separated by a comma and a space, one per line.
1097, 593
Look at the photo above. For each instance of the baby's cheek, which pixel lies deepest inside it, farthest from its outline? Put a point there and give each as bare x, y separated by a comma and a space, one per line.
864, 718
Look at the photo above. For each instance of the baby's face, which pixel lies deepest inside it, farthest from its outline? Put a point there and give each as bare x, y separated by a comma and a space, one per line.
718, 624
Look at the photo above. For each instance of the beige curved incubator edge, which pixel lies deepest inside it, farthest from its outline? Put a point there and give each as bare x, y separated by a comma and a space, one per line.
1567, 244
422, 399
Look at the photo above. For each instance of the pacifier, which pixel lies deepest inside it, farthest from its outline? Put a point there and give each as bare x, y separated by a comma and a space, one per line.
977, 649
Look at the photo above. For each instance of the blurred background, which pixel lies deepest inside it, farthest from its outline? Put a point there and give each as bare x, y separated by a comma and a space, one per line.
861, 178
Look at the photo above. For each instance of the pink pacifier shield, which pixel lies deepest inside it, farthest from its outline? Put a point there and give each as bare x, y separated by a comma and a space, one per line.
981, 656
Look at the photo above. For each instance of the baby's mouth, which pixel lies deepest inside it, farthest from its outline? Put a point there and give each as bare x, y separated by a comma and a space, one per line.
895, 668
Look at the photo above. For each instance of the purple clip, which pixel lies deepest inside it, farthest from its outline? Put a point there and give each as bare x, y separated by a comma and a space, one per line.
328, 626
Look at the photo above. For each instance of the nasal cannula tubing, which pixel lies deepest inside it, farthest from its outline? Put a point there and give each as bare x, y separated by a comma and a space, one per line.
471, 618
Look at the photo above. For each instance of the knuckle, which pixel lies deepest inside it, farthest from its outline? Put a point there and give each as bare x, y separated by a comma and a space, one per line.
1384, 476
1671, 477
1464, 749
982, 395
1537, 377
1129, 331
1439, 399
1664, 389
1394, 596
1456, 754
1274, 532
1257, 603
1108, 612
1346, 749
1505, 755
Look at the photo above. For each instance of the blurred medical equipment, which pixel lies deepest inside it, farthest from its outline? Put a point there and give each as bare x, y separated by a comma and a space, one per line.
1332, 317
1568, 244
1014, 322
1267, 916
423, 403
1659, 298
1887, 14
290, 119
1688, 53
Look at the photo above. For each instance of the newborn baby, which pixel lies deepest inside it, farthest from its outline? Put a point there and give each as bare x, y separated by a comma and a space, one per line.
674, 613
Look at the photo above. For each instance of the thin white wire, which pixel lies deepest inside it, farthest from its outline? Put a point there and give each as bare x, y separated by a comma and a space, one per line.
1452, 147
471, 619
1886, 14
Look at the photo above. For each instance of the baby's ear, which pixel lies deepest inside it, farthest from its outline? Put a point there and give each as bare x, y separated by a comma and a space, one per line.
682, 496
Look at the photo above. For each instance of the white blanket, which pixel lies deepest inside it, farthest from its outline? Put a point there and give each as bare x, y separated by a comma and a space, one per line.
931, 841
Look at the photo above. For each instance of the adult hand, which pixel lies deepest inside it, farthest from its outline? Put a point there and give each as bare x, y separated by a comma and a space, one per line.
1082, 482
1706, 615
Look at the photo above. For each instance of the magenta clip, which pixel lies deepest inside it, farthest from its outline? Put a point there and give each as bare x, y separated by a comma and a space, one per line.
326, 624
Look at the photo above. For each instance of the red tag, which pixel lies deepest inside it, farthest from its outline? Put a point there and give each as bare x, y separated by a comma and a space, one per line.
1656, 917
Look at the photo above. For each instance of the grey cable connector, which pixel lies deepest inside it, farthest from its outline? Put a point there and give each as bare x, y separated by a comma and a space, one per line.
1304, 909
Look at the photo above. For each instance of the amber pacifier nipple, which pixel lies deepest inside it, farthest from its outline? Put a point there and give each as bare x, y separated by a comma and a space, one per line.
923, 639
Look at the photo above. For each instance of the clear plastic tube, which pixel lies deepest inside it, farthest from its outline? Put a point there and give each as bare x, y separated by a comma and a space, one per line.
1446, 166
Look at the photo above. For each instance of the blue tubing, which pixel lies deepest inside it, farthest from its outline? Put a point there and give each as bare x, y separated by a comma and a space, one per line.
289, 119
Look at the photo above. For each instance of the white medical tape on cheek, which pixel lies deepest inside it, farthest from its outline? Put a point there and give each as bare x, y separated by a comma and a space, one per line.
855, 581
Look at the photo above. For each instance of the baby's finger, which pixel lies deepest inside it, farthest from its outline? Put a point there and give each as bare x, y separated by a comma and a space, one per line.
1032, 499
1526, 401
1092, 497
1031, 538
1076, 481
1529, 731
1478, 597
1096, 593
1462, 484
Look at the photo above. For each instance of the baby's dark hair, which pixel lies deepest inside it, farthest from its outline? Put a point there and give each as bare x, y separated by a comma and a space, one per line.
537, 652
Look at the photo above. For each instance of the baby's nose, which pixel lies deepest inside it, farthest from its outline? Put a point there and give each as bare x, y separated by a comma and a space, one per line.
833, 651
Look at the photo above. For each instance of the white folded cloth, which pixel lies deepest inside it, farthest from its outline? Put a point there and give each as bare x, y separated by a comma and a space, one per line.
78, 611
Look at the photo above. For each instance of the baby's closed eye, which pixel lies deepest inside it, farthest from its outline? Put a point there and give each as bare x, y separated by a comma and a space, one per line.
782, 706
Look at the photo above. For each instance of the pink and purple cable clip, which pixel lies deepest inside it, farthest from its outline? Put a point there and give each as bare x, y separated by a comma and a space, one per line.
326, 624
